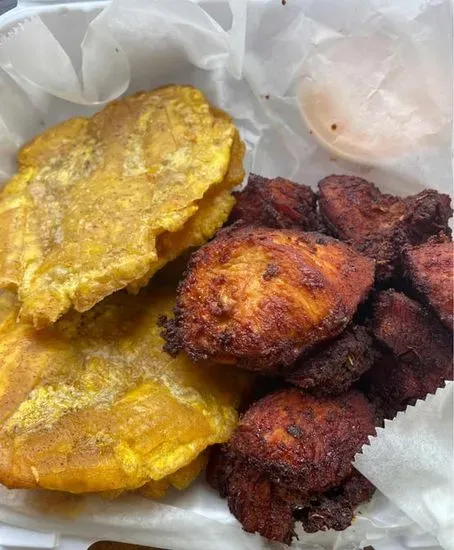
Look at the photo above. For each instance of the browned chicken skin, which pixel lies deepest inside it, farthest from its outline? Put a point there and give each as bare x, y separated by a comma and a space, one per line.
335, 508
430, 268
377, 224
290, 458
278, 203
258, 297
419, 357
259, 504
303, 441
333, 366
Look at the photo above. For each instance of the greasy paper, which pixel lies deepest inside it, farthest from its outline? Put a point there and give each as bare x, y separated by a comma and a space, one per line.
379, 70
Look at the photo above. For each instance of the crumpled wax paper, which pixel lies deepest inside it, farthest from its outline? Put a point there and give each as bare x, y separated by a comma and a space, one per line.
380, 71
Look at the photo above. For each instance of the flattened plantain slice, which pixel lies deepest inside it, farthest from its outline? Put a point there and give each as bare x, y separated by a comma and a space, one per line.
258, 297
213, 210
94, 404
180, 479
81, 218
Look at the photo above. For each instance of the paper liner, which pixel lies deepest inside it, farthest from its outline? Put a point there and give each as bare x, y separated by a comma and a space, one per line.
411, 462
251, 58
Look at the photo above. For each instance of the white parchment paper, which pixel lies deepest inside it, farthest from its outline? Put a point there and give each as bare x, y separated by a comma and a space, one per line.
380, 71
412, 461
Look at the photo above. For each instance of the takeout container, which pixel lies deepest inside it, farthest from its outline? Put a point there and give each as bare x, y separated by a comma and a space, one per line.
254, 70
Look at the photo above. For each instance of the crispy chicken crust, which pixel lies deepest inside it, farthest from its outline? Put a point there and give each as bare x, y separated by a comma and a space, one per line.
419, 357
377, 224
333, 366
272, 509
277, 203
290, 458
258, 297
335, 508
430, 268
303, 441
261, 505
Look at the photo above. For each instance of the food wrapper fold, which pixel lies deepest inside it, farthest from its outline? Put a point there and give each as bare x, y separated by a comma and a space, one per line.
371, 76
411, 461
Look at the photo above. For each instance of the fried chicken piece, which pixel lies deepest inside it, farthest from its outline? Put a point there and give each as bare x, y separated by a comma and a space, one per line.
427, 214
335, 508
290, 458
392, 385
430, 268
377, 224
271, 509
409, 330
278, 203
333, 366
258, 297
260, 505
421, 358
289, 434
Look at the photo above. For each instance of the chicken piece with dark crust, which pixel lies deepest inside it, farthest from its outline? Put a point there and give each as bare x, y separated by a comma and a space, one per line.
258, 297
427, 215
272, 509
278, 203
419, 357
430, 268
377, 224
335, 365
260, 505
335, 508
290, 459
302, 441
391, 385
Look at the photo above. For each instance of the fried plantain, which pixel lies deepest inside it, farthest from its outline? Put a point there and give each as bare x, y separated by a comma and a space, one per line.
213, 211
421, 353
181, 479
333, 366
430, 268
258, 297
277, 203
290, 458
377, 224
82, 217
93, 403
